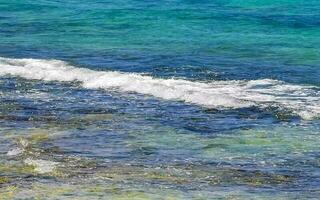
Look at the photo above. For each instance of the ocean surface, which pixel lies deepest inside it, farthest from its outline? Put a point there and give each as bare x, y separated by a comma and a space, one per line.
167, 99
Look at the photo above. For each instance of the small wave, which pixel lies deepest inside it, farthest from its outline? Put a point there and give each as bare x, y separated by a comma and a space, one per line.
299, 99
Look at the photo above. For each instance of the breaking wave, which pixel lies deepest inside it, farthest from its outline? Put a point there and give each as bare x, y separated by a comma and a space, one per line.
299, 99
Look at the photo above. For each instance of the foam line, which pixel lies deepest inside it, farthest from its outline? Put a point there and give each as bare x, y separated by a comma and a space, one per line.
300, 99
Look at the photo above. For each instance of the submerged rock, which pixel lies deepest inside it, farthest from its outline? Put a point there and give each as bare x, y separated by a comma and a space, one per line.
7, 192
4, 179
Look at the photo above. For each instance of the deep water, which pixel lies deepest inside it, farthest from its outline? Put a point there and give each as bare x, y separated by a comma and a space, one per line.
160, 99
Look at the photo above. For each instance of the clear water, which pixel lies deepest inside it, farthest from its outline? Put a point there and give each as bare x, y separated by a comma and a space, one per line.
160, 99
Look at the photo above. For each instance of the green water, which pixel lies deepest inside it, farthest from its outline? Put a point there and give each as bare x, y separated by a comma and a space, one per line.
62, 140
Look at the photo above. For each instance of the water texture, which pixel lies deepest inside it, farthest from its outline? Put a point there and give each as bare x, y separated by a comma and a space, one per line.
174, 99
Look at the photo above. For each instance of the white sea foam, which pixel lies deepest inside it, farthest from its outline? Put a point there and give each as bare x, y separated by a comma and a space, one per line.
299, 99
41, 166
15, 151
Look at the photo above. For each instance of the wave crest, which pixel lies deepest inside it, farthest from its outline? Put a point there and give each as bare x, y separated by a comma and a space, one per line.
300, 99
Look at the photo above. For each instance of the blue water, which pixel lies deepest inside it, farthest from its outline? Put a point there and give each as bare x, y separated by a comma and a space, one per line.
208, 99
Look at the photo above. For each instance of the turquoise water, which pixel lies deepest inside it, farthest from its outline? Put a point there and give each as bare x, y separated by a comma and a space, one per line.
159, 99
252, 39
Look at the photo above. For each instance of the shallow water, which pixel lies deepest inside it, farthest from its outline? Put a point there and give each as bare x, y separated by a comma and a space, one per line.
159, 100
